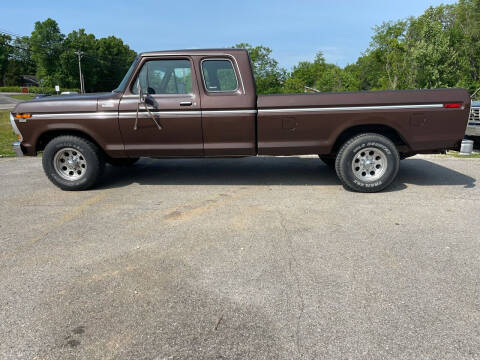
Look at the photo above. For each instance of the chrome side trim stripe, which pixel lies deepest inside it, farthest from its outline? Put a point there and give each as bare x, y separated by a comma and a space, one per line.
74, 116
130, 114
144, 114
214, 112
351, 108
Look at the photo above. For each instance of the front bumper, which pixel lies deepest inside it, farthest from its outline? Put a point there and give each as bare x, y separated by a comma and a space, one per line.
17, 144
17, 148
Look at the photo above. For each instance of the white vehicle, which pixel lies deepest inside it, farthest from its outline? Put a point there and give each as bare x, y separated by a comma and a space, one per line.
473, 127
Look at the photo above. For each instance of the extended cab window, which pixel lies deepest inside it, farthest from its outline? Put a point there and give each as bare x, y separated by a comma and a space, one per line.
219, 75
164, 77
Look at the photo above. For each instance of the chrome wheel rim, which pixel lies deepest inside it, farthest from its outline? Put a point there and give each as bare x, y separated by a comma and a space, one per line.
70, 164
369, 164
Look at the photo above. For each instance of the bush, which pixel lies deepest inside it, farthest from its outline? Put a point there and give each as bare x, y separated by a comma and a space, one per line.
34, 89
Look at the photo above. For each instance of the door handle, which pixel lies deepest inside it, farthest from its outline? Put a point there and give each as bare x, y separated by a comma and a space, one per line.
186, 103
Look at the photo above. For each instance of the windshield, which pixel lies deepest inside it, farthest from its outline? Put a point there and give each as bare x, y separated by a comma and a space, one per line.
123, 83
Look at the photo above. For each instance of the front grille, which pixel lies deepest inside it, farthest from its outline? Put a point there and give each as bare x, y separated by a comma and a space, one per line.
474, 115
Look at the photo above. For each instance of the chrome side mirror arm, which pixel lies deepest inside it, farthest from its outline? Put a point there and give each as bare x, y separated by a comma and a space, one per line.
142, 100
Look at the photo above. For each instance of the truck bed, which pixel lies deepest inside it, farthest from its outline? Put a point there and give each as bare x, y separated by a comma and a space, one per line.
311, 123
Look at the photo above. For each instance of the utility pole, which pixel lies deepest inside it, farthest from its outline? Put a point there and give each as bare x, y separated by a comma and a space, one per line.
82, 85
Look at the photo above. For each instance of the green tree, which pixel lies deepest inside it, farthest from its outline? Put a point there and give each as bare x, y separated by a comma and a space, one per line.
46, 47
20, 61
440, 48
465, 38
320, 76
305, 74
269, 77
69, 72
389, 53
5, 51
113, 60
336, 79
432, 53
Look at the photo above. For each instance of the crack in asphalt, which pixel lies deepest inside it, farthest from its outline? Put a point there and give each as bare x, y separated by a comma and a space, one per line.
293, 260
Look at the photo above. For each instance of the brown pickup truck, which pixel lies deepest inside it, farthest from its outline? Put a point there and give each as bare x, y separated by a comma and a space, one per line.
202, 103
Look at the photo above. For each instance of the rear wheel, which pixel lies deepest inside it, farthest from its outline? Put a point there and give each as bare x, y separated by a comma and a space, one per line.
72, 162
367, 163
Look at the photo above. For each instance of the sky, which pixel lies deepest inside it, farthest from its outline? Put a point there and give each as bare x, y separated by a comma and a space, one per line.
295, 30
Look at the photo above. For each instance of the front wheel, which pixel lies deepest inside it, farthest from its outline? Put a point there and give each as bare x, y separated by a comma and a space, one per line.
367, 163
72, 162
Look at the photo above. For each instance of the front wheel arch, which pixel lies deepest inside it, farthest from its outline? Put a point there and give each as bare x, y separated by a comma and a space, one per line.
49, 135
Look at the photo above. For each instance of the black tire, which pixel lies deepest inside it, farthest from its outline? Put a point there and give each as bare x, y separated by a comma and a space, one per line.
329, 160
380, 151
122, 161
90, 154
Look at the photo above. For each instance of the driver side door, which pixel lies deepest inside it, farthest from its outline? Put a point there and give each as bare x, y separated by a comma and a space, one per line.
173, 93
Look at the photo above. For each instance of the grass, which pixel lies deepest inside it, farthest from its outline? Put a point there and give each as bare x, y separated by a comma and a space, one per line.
7, 136
23, 96
457, 154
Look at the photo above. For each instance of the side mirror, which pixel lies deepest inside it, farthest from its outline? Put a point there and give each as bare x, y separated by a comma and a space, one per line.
145, 99
148, 100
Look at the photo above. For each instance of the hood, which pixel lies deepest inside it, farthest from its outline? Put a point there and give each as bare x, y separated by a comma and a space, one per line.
476, 104
65, 103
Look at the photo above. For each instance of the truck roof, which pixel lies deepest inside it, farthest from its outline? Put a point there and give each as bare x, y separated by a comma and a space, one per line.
193, 52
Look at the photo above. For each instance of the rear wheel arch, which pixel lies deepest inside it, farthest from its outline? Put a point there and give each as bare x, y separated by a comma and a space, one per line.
390, 132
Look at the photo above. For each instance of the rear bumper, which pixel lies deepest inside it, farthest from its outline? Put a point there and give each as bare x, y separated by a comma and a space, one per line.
17, 148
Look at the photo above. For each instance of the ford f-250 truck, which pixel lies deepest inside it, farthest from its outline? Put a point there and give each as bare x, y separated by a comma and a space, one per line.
203, 103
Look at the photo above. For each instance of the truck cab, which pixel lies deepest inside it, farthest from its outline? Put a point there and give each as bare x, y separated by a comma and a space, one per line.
205, 102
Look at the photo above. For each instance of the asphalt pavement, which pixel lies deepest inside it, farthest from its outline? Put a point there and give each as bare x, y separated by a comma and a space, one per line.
255, 258
6, 102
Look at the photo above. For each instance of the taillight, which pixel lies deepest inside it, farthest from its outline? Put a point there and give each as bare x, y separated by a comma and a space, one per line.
453, 106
